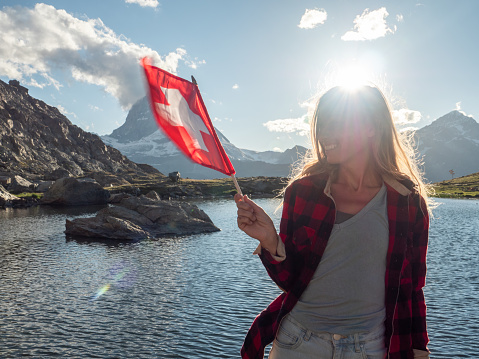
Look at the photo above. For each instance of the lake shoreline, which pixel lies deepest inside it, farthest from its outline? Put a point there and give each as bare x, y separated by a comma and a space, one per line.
255, 187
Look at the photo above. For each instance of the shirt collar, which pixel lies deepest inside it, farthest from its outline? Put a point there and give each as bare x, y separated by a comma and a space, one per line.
389, 180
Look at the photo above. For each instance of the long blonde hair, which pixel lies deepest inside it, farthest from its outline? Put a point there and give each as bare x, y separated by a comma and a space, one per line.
393, 153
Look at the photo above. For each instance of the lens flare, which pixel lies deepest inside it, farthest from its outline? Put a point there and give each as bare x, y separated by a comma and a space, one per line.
121, 276
101, 291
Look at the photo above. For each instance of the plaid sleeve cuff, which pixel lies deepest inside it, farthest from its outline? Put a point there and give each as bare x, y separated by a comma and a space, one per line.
280, 254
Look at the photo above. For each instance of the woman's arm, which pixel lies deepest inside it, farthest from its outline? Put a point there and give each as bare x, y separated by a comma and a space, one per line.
276, 251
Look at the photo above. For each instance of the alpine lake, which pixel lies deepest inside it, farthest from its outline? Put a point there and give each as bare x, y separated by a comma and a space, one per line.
188, 297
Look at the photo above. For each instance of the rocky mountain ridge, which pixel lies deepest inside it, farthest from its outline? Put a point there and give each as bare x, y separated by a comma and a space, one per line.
38, 142
449, 143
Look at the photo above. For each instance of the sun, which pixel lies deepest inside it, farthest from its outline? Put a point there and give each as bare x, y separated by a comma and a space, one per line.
353, 76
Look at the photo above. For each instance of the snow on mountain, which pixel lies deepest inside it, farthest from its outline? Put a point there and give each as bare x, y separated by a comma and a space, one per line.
449, 143
140, 139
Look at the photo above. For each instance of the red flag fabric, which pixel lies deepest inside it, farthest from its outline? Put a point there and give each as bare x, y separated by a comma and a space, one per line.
180, 111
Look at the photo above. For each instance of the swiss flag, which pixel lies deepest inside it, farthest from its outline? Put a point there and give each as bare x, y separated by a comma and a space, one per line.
180, 111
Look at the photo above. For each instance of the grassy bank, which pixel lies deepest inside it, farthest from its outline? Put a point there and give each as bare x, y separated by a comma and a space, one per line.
164, 186
461, 187
222, 187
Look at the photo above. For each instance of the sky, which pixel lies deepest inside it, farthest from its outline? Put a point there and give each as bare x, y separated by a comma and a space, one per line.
260, 65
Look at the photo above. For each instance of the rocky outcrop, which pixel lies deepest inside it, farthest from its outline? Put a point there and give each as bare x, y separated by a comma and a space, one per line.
43, 186
108, 179
6, 198
72, 191
38, 142
136, 218
9, 200
19, 184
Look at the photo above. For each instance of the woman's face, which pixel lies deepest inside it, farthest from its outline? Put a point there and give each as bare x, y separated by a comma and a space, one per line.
344, 141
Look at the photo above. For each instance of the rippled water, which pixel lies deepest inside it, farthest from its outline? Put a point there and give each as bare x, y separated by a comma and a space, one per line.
192, 297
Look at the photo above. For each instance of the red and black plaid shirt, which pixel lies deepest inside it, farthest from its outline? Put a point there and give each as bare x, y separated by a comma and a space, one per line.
306, 224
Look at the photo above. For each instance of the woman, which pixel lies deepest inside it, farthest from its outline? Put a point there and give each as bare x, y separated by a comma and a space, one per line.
350, 255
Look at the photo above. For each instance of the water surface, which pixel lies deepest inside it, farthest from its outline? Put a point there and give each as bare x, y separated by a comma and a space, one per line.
191, 297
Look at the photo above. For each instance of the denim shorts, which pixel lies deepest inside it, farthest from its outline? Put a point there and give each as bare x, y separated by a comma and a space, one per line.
295, 341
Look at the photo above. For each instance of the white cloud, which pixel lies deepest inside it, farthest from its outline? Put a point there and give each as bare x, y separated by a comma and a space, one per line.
144, 3
95, 108
369, 26
400, 18
235, 86
458, 108
277, 149
405, 116
36, 40
194, 63
313, 18
289, 125
408, 129
64, 111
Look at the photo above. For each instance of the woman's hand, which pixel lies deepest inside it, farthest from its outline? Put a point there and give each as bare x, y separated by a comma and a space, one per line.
254, 221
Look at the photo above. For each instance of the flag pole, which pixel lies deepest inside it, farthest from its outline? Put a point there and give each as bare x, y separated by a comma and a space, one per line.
238, 189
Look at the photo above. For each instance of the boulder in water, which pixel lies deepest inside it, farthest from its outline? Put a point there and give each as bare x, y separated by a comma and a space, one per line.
135, 218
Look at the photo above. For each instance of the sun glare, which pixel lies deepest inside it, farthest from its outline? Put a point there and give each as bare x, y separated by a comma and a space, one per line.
353, 76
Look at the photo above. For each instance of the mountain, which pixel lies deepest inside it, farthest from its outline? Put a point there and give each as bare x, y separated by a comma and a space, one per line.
38, 142
140, 140
449, 143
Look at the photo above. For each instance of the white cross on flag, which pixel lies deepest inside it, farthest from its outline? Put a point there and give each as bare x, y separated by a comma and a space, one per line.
180, 111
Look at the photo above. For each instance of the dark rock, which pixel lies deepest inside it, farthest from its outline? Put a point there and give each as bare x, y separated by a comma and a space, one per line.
141, 217
16, 83
38, 142
104, 226
71, 191
153, 195
117, 197
19, 184
106, 179
43, 186
57, 174
5, 180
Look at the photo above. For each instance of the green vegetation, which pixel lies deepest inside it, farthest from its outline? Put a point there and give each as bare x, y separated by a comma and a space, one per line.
462, 187
27, 195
